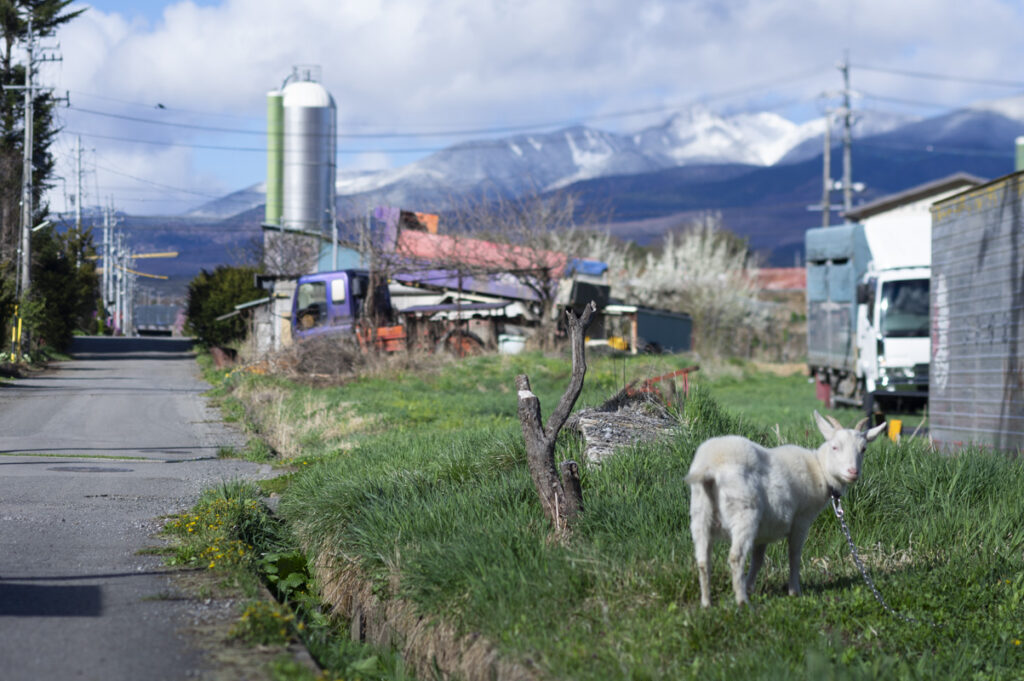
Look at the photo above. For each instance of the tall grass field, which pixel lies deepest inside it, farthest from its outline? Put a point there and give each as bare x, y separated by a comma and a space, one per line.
420, 479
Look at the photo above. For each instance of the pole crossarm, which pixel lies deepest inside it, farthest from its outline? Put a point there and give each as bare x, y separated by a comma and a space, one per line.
135, 272
163, 254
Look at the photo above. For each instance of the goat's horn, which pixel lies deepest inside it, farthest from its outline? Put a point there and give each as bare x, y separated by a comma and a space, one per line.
860, 424
834, 421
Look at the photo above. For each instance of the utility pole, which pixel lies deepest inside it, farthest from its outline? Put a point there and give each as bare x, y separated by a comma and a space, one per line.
826, 177
107, 262
26, 166
844, 67
78, 176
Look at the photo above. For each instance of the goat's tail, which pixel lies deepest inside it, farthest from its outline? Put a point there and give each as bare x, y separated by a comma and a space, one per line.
704, 476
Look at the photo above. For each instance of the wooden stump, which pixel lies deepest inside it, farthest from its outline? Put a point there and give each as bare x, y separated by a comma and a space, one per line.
561, 498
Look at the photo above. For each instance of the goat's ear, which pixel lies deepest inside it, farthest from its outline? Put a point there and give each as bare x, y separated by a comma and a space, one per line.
872, 433
826, 428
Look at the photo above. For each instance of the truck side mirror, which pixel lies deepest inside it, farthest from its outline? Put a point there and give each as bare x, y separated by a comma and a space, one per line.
863, 294
357, 287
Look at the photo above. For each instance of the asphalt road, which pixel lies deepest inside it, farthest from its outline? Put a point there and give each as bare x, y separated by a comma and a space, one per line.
77, 600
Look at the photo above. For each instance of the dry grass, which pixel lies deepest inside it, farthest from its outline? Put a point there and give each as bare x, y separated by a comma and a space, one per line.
336, 360
272, 409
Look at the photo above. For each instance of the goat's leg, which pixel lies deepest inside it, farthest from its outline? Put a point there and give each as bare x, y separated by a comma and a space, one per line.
700, 528
702, 518
742, 543
702, 549
756, 560
797, 537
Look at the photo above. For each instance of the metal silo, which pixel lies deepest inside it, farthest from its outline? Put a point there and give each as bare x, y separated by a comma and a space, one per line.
275, 156
308, 160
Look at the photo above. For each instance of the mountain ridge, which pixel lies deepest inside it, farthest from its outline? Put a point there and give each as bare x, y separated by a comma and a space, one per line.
659, 177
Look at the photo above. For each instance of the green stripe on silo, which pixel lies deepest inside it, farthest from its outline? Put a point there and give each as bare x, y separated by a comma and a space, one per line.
1020, 154
275, 156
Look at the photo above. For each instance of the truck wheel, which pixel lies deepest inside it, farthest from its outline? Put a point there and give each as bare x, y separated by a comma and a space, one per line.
460, 343
869, 407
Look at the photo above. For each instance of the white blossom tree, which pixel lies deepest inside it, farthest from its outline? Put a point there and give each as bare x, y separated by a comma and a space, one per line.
708, 272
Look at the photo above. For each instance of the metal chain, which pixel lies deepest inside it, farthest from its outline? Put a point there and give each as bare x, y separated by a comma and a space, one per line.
837, 507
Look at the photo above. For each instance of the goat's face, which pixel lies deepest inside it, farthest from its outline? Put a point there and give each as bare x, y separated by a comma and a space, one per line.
844, 447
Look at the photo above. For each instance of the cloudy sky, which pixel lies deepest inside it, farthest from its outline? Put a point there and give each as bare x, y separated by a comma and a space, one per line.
168, 97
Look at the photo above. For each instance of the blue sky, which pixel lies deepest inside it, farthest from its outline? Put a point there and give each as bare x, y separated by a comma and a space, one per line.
169, 96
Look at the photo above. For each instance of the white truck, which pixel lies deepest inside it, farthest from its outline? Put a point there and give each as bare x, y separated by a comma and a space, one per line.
868, 336
868, 281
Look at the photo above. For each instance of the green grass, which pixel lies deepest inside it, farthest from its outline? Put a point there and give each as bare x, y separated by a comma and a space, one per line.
434, 497
230, 533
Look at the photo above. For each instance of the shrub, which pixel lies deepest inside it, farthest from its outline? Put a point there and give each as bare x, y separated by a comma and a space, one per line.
213, 294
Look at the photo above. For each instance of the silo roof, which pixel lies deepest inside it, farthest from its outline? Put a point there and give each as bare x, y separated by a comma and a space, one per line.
307, 93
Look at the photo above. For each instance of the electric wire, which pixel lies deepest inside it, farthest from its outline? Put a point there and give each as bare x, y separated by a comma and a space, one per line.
942, 76
462, 132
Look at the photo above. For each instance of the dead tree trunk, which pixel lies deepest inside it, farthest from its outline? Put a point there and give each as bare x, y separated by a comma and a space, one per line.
561, 499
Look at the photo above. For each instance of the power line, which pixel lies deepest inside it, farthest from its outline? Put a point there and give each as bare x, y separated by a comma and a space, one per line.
907, 102
171, 124
942, 76
491, 130
135, 140
80, 93
156, 184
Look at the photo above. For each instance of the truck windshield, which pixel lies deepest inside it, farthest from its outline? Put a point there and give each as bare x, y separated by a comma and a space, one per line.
311, 304
904, 309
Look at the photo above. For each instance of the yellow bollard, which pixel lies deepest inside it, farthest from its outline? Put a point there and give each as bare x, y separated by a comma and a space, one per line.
895, 427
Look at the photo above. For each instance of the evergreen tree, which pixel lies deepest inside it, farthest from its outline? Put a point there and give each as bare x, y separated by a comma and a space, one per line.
212, 294
46, 16
64, 286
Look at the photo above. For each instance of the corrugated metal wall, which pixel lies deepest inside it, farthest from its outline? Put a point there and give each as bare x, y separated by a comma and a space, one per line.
977, 304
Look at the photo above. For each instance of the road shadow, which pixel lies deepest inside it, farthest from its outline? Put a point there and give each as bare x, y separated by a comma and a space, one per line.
106, 347
34, 600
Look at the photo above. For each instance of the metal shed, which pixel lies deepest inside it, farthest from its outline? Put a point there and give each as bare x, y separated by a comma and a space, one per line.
977, 300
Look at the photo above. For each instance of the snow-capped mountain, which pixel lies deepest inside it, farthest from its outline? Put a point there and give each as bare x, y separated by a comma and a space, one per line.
1010, 107
701, 136
550, 160
511, 165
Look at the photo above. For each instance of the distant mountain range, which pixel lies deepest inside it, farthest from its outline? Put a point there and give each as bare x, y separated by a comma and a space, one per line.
759, 170
548, 161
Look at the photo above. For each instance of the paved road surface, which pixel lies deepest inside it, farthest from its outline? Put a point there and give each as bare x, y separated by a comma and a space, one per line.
76, 599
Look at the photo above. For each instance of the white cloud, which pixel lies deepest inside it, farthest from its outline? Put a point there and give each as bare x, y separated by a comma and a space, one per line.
410, 65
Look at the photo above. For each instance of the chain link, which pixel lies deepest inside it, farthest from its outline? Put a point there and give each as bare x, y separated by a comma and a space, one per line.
837, 507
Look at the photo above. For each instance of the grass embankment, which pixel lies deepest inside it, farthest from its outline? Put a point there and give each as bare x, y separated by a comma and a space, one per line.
430, 498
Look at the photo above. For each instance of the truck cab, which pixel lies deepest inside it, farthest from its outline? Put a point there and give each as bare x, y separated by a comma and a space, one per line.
894, 336
328, 302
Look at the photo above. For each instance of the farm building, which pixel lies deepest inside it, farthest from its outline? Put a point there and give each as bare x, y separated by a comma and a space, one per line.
977, 303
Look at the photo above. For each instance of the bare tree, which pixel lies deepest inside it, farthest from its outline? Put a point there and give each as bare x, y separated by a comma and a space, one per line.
285, 253
531, 231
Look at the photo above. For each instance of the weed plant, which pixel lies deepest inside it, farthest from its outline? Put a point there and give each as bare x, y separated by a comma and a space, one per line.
230, 532
433, 502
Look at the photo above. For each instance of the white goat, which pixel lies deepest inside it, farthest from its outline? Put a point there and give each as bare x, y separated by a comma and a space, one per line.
755, 496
